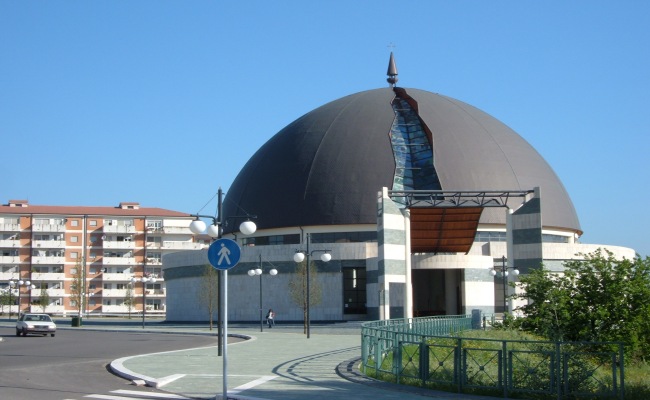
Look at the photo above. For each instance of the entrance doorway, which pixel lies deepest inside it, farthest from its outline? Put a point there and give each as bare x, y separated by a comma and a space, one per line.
436, 292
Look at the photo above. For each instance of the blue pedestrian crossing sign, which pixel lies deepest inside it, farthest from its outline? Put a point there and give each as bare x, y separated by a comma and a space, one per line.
224, 254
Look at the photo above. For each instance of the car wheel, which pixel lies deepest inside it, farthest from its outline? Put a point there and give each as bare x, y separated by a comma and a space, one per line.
17, 332
51, 334
24, 332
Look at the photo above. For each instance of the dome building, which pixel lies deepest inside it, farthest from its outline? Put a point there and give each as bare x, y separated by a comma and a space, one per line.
326, 184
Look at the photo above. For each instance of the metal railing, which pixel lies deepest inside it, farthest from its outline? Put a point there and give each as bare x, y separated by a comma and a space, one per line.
430, 352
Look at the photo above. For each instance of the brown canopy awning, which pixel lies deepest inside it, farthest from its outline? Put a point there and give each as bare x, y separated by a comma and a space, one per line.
443, 229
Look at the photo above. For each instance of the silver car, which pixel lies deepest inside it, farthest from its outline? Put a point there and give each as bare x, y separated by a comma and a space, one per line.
38, 324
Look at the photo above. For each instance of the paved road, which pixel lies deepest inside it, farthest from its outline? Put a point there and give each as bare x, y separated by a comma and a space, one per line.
73, 364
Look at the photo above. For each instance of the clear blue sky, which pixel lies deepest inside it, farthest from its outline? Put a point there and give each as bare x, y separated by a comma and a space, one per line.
160, 102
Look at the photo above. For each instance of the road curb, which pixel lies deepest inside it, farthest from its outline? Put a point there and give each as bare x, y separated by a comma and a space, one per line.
118, 368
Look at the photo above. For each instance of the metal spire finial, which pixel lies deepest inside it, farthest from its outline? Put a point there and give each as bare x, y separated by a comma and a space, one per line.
392, 71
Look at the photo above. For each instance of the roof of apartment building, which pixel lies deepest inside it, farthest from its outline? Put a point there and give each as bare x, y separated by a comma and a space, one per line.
130, 209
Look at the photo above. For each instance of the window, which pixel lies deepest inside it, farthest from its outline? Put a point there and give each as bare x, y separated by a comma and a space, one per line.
108, 286
344, 237
483, 236
74, 222
154, 224
122, 286
74, 255
92, 222
154, 257
354, 290
74, 239
271, 240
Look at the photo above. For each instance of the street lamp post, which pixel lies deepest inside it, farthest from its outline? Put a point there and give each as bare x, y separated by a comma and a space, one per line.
12, 284
259, 272
90, 295
298, 257
215, 230
503, 270
144, 281
28, 285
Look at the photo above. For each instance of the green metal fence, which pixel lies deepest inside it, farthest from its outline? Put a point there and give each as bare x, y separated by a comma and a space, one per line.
428, 352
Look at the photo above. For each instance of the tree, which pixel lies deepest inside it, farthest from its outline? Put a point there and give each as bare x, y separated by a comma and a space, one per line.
44, 299
5, 299
598, 299
129, 299
77, 287
208, 293
298, 288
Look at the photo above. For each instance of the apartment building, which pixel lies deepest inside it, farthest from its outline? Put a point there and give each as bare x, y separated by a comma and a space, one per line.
47, 251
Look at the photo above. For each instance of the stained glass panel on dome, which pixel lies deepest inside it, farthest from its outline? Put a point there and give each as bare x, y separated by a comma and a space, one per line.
412, 151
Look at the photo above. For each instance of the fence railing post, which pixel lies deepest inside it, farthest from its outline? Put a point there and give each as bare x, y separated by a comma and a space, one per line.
424, 361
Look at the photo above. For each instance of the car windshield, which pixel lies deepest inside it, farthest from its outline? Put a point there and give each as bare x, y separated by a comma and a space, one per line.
45, 318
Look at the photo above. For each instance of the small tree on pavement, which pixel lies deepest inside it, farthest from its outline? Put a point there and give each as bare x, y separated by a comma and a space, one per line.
129, 299
298, 288
77, 287
44, 298
208, 294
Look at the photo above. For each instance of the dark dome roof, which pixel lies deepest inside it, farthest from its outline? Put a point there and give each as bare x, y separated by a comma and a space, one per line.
327, 167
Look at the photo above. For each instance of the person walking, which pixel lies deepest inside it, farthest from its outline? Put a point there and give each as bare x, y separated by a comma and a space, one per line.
270, 318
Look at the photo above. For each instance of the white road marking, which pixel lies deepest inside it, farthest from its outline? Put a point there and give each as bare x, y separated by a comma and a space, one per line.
251, 384
134, 394
151, 395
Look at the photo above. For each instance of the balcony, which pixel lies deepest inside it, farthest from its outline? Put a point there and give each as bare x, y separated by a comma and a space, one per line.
48, 276
113, 244
10, 243
49, 244
171, 245
154, 245
9, 227
122, 309
121, 293
155, 292
177, 229
48, 260
51, 309
119, 229
154, 261
8, 276
119, 261
48, 228
9, 259
116, 277
51, 292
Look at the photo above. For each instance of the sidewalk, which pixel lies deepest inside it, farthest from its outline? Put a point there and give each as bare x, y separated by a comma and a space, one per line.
277, 364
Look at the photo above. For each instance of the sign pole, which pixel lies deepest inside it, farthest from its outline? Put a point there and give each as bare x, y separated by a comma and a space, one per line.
225, 333
224, 254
